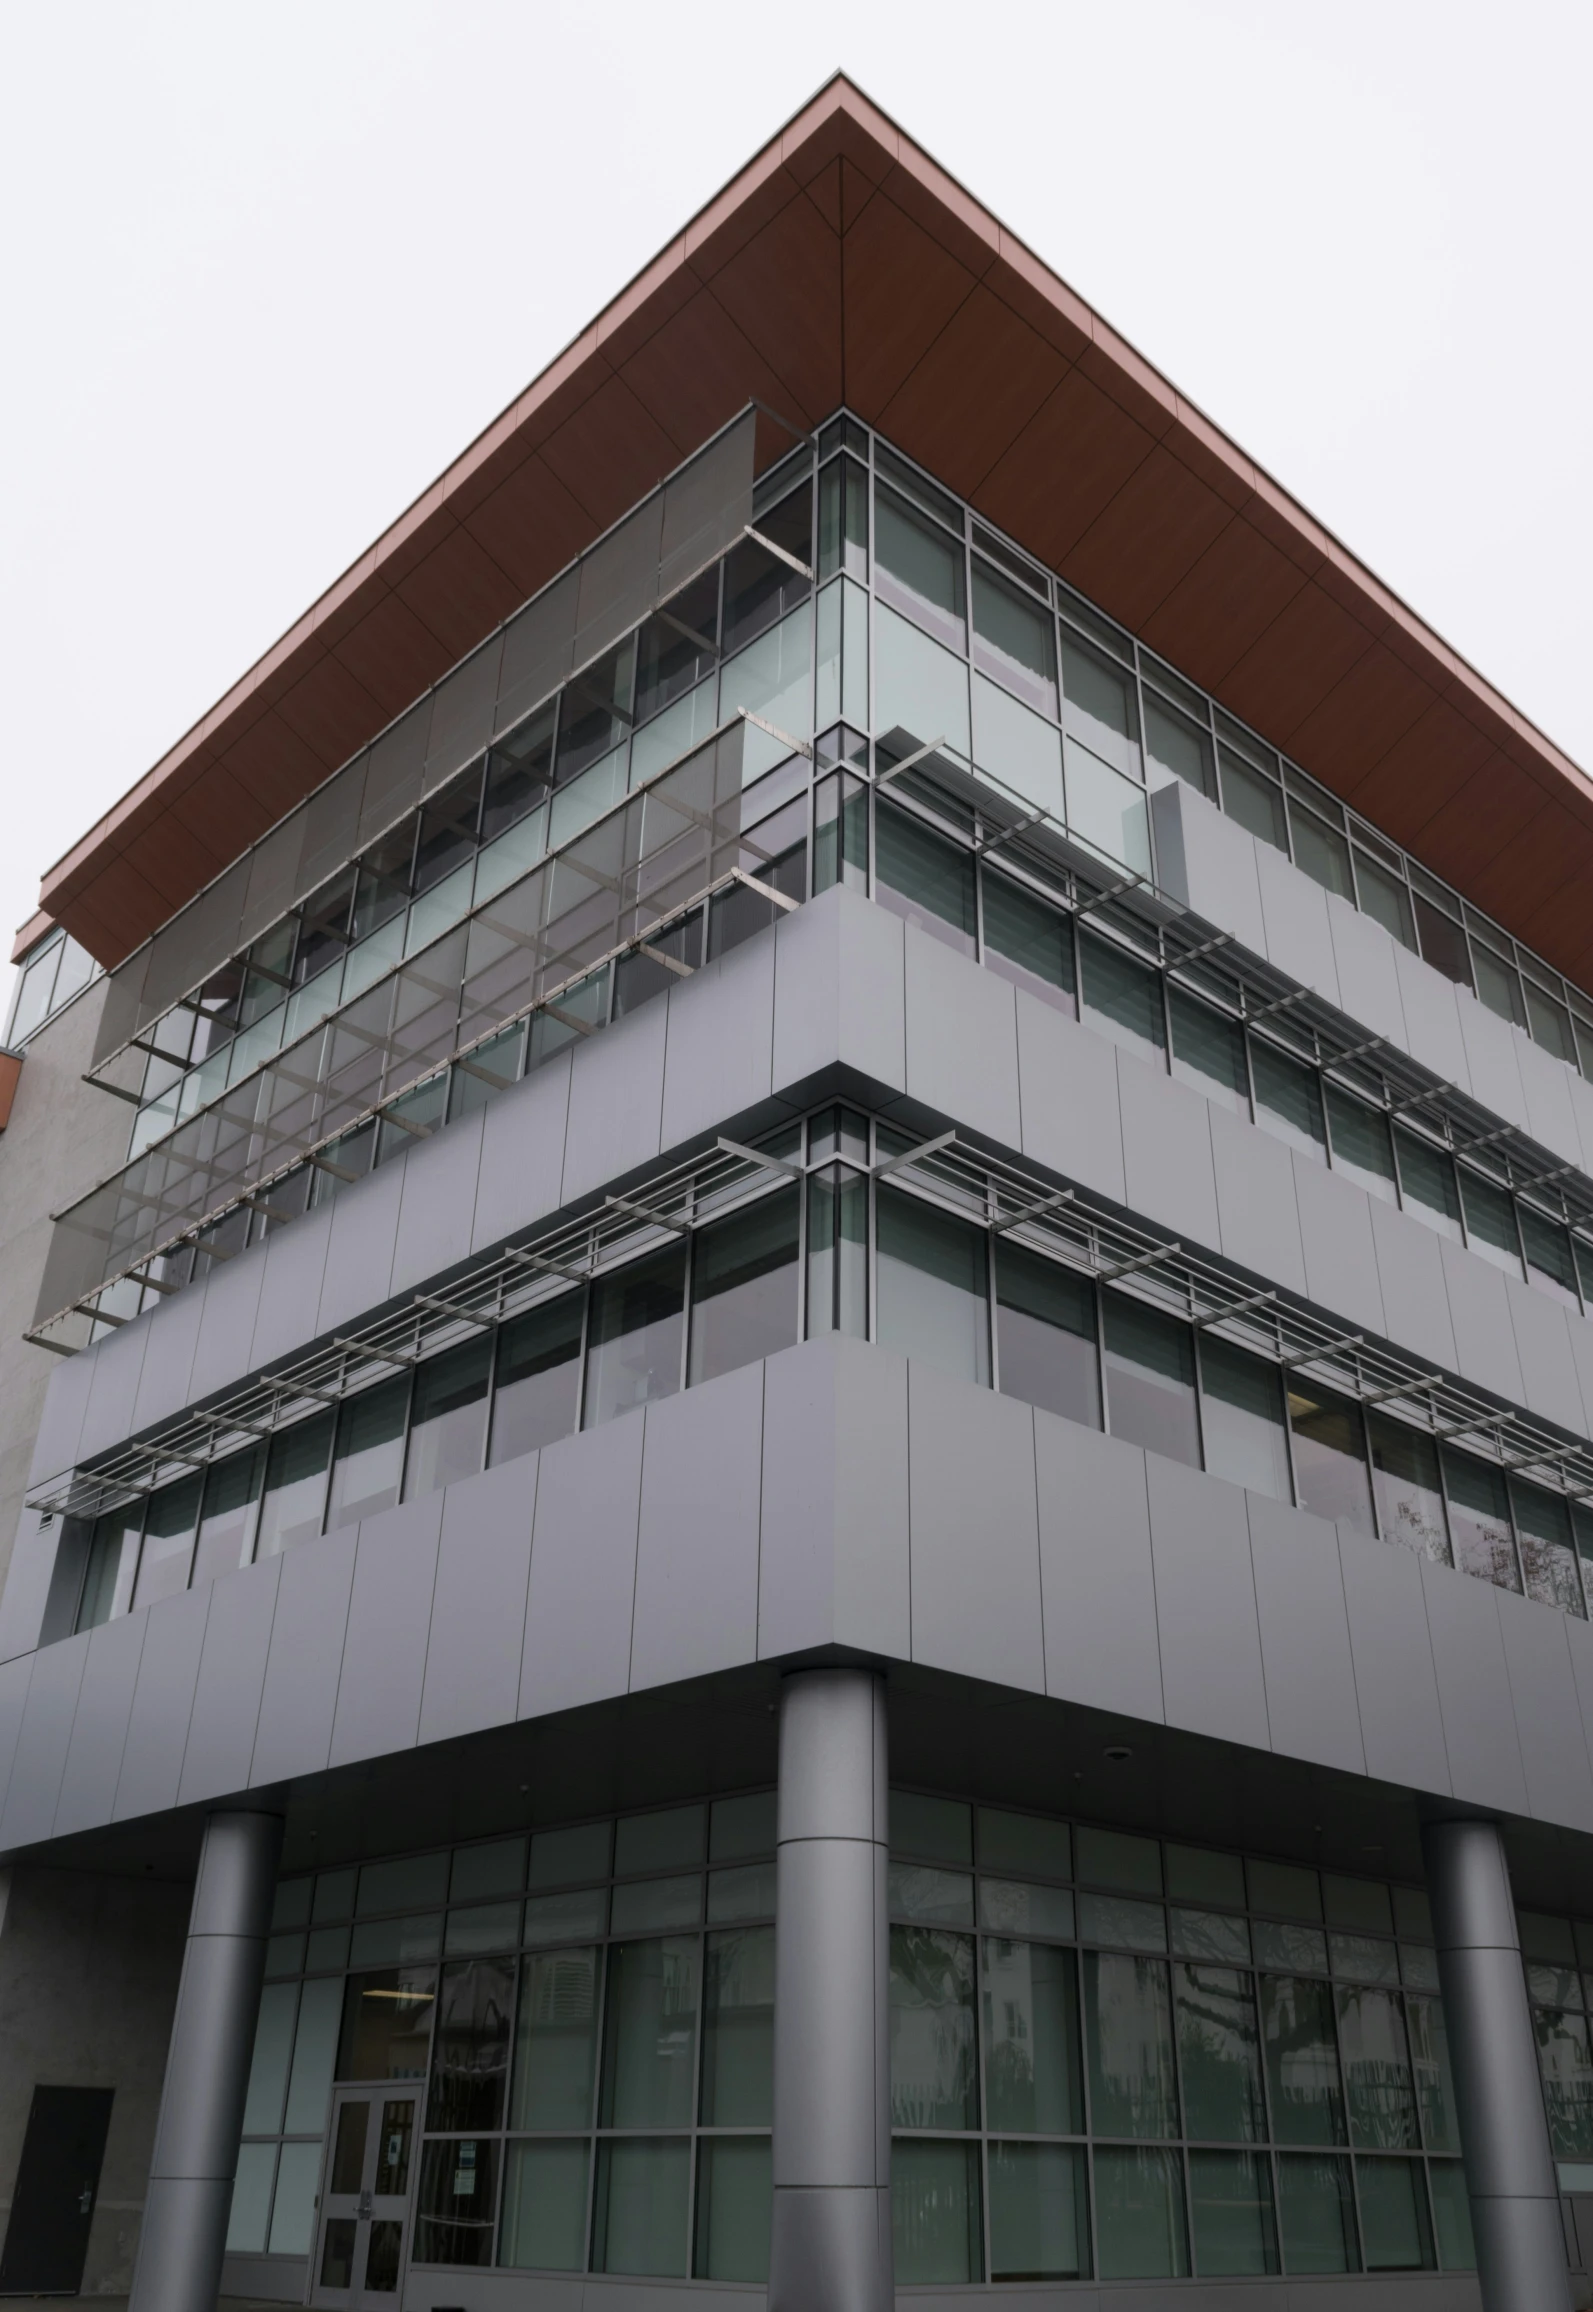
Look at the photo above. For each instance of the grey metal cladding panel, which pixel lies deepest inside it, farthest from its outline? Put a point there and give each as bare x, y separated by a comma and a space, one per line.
975, 1531
1542, 1328
583, 1569
15, 1678
1305, 1636
962, 1037
1491, 1058
1546, 1087
99, 1730
1212, 1676
1396, 1685
697, 1540
834, 1563
1167, 1162
359, 1251
478, 1605
113, 1388
1220, 869
1479, 1310
55, 1446
1363, 955
1067, 1082
1102, 1647
290, 1289
824, 954
522, 1154
1410, 1268
1294, 910
299, 1698
165, 1383
1336, 1237
616, 1101
1548, 1712
719, 1040
1474, 1688
163, 1700
232, 1667
225, 1347
384, 1646
1432, 1019
1258, 1219
437, 1202
42, 1743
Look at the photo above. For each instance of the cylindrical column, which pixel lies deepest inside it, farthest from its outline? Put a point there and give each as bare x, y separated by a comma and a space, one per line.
830, 2249
207, 2067
1510, 2178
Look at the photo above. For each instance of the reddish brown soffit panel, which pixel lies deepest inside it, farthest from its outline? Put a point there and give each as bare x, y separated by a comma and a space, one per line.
843, 264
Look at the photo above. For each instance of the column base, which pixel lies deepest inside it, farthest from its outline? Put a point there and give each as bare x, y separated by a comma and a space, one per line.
1521, 2258
830, 2249
181, 2245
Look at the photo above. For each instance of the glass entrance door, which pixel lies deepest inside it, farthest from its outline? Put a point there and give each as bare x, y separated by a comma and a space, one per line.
364, 2229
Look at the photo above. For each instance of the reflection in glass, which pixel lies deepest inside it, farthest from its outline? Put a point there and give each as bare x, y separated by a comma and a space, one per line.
369, 1461
1209, 1050
448, 1427
1230, 2209
1302, 2061
458, 2186
1150, 1380
1033, 2075
1548, 1559
919, 567
1490, 1221
538, 1380
470, 2054
1242, 1416
1129, 2037
1139, 2215
935, 2214
1045, 1335
738, 2029
650, 2033
640, 2222
1548, 1250
1427, 1183
1566, 2063
837, 1253
932, 2029
1027, 941
1014, 638
923, 878
633, 1352
1039, 2212
1362, 1145
735, 2201
1410, 1501
1395, 2233
544, 2207
168, 1548
1378, 2087
1435, 2088
1479, 1519
226, 1529
1122, 997
1288, 1099
1316, 2215
1330, 1456
555, 2041
930, 1278
1219, 2055
744, 1287
1457, 2251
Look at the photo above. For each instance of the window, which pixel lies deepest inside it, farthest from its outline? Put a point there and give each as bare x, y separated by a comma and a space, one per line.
923, 878
1209, 1050
1150, 1380
1014, 638
1384, 897
633, 1354
369, 1462
1255, 800
1321, 851
168, 1549
1490, 1221
1427, 1183
1288, 1099
931, 1281
1479, 1519
1330, 1456
1548, 1249
838, 1252
1178, 747
1122, 997
538, 1378
919, 568
1242, 1416
226, 1527
1362, 1145
295, 1487
1548, 1557
744, 1287
1405, 1481
1028, 942
448, 1424
1045, 1336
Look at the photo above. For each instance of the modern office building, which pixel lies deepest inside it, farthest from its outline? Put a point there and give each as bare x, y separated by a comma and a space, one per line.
798, 1372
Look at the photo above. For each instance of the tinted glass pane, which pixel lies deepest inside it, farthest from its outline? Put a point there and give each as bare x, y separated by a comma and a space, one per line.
168, 1549
1208, 1050
1330, 1456
1150, 1380
1548, 1559
650, 2033
448, 1426
1548, 1250
370, 1453
1302, 2063
1101, 707
1378, 2086
738, 2029
226, 1530
1316, 2215
677, 647
1435, 2088
935, 2214
1122, 997
1479, 1520
544, 2207
1321, 851
1288, 1098
919, 567
1550, 1023
1498, 984
386, 2026
1174, 744
1427, 1179
1014, 638
1033, 2077
470, 2054
1045, 1332
1362, 1145
1566, 2064
1039, 2212
1254, 800
555, 2046
843, 519
539, 1378
1490, 1221
519, 770
1242, 1415
458, 2194
641, 2219
1384, 897
1457, 2250
1410, 1506
112, 1561
1395, 2233
634, 1351
1027, 941
735, 2199
838, 1254
933, 2083
447, 836
1230, 2207
930, 1276
1443, 943
744, 1287
1219, 2055
1139, 2215
1129, 2038
922, 877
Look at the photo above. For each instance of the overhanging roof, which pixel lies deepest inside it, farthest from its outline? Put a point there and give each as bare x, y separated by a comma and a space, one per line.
843, 265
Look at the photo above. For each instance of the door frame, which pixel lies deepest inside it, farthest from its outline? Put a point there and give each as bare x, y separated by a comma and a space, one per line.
373, 2093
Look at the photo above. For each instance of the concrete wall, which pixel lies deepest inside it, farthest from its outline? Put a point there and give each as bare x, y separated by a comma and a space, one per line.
88, 1983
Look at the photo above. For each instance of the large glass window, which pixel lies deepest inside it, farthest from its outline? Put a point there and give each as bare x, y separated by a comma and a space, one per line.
1150, 1380
1479, 1519
168, 1541
1330, 1456
919, 567
538, 1383
1045, 1335
922, 877
1242, 1417
633, 1352
369, 1461
1288, 1099
1410, 1501
1026, 941
931, 1284
1548, 1554
744, 1287
448, 1424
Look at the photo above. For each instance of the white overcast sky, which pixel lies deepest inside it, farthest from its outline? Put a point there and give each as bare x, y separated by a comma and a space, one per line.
267, 268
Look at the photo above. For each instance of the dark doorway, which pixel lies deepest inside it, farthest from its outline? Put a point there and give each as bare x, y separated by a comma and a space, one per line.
57, 2183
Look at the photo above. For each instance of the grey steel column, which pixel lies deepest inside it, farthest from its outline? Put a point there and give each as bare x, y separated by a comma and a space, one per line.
207, 2067
830, 2249
1515, 2200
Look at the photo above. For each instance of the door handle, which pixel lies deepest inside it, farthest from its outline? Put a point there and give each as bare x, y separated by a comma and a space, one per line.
85, 2199
364, 2207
